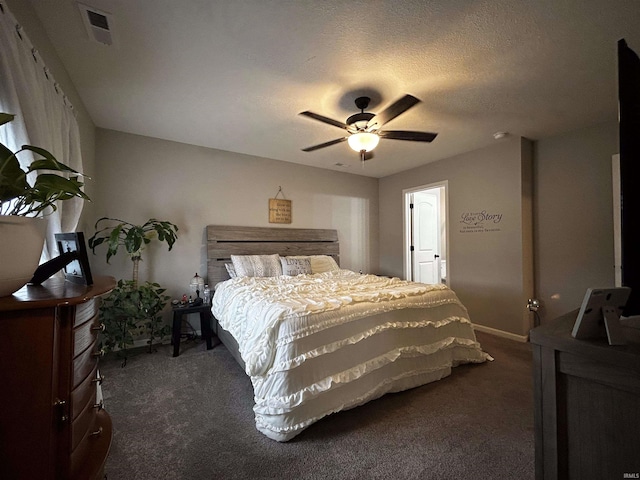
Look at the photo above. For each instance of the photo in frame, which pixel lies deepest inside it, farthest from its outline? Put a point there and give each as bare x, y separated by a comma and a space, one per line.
77, 270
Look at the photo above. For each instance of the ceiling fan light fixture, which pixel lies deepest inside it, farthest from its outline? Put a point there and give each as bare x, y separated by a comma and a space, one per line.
363, 141
364, 128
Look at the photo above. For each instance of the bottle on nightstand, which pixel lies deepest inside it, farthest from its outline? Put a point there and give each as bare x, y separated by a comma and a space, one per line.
207, 295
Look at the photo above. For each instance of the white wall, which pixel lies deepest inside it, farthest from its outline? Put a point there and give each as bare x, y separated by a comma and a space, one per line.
491, 267
140, 177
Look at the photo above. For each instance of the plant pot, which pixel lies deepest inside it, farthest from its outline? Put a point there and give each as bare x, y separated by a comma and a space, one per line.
21, 242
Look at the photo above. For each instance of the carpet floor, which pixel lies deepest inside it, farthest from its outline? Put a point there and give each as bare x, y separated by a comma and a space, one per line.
191, 417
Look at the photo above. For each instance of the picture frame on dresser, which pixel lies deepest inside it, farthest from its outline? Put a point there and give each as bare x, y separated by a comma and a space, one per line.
599, 315
78, 270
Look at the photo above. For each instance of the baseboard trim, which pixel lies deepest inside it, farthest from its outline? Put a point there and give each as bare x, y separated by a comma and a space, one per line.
501, 333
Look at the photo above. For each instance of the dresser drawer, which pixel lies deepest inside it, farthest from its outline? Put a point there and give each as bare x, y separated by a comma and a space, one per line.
83, 394
88, 458
83, 365
85, 311
82, 424
85, 335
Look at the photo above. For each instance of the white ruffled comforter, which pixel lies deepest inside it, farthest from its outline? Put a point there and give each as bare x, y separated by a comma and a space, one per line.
321, 343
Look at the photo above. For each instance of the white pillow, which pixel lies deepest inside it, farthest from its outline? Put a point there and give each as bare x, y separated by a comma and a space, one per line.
323, 263
295, 265
231, 270
257, 265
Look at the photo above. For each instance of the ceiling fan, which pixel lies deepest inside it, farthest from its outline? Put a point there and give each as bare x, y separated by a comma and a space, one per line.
364, 128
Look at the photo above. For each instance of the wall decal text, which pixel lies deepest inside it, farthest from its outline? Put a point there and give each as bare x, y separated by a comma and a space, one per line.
480, 222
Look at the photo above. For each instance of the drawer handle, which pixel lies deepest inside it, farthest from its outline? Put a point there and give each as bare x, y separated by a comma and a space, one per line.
98, 354
98, 379
99, 328
97, 433
99, 406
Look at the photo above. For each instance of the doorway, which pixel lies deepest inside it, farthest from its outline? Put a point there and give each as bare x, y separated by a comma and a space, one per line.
426, 234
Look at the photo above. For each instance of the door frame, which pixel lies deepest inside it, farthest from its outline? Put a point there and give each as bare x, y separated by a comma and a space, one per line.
406, 224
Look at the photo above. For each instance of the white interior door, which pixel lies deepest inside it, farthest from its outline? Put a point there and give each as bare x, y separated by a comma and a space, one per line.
426, 236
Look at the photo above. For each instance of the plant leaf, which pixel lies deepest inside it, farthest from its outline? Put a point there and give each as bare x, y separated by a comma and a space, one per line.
6, 118
133, 240
13, 180
114, 241
61, 188
48, 163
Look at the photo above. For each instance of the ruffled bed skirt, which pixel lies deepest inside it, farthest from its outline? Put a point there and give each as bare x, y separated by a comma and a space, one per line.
298, 393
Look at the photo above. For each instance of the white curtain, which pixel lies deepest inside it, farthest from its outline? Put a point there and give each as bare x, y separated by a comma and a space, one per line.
44, 116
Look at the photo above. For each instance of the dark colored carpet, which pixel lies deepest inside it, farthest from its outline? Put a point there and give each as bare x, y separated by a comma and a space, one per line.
191, 417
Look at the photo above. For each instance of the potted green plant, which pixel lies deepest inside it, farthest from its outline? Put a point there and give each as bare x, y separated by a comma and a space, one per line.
132, 308
22, 202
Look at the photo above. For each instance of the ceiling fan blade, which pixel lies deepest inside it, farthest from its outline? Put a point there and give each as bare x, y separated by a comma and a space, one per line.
326, 144
392, 111
408, 135
324, 119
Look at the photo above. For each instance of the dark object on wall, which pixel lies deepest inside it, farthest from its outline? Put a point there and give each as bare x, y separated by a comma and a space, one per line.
73, 259
629, 115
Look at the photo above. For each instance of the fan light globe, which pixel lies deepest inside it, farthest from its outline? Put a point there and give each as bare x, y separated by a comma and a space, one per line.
363, 141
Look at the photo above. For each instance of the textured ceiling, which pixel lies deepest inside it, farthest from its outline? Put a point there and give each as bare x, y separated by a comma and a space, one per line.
234, 74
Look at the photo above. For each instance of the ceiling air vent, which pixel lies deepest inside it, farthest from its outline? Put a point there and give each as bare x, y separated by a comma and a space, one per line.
98, 24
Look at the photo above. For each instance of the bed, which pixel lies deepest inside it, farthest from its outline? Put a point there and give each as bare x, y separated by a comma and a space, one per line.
326, 339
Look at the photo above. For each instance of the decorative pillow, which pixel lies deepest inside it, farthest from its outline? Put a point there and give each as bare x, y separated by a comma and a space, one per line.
323, 263
295, 265
231, 270
257, 265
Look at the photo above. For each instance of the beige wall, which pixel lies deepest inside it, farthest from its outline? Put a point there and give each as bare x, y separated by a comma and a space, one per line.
570, 237
490, 270
573, 225
140, 177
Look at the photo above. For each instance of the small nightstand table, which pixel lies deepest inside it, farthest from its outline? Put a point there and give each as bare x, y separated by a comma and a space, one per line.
205, 324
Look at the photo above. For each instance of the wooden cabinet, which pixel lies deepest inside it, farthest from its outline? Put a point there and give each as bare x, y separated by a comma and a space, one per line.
586, 404
51, 424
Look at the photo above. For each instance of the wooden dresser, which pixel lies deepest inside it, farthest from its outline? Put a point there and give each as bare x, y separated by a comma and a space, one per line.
51, 424
587, 404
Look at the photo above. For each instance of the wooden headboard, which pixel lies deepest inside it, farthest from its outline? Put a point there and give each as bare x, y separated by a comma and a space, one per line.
224, 241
